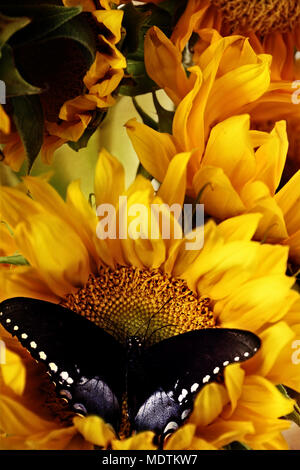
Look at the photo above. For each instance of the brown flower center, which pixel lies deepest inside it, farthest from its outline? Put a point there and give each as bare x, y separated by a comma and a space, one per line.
261, 16
128, 300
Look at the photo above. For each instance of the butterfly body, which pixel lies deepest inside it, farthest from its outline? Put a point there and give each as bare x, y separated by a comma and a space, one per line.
93, 371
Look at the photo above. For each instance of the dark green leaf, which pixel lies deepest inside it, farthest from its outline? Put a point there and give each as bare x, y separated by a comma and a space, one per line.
295, 415
133, 20
9, 26
17, 260
92, 127
142, 171
236, 445
165, 117
77, 29
172, 7
139, 20
29, 121
45, 19
15, 83
136, 81
145, 117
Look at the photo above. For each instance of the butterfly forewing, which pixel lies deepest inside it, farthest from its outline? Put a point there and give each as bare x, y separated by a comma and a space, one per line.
85, 362
178, 367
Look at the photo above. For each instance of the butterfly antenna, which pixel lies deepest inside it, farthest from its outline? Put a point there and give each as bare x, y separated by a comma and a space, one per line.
149, 319
160, 328
152, 316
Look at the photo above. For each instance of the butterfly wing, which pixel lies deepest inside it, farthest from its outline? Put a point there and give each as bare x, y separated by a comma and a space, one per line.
177, 368
83, 360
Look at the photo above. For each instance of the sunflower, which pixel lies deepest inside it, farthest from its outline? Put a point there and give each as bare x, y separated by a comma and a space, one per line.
235, 179
272, 27
74, 93
121, 282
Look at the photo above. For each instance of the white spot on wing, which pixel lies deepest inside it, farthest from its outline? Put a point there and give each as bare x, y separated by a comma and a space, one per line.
53, 367
171, 426
194, 387
216, 370
206, 379
33, 345
185, 414
24, 336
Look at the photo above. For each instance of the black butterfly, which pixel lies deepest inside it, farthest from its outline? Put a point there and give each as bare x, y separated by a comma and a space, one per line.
92, 370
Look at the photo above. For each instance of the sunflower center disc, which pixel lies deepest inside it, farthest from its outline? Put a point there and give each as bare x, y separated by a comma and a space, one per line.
122, 301
261, 16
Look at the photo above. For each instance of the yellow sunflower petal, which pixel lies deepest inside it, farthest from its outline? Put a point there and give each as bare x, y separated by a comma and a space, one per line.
288, 199
17, 420
112, 20
238, 161
16, 206
13, 372
271, 157
257, 198
25, 281
163, 62
223, 432
4, 121
148, 143
219, 198
140, 441
242, 227
208, 404
109, 179
172, 189
45, 241
234, 379
261, 397
185, 26
94, 430
182, 438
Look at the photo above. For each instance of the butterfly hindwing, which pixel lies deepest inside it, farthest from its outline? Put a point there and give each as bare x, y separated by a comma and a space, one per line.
84, 361
178, 367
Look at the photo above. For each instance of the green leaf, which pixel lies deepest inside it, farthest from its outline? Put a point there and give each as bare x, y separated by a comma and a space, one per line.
77, 29
173, 8
15, 83
138, 20
136, 81
132, 22
9, 26
45, 19
92, 127
236, 445
17, 260
165, 117
145, 117
295, 415
29, 121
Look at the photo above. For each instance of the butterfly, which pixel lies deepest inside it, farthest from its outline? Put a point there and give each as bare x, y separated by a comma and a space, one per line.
93, 371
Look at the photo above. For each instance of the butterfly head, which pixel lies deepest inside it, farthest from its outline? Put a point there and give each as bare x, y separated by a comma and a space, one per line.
134, 343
